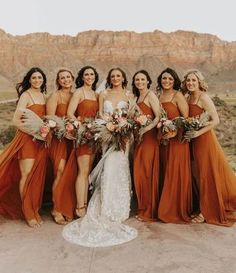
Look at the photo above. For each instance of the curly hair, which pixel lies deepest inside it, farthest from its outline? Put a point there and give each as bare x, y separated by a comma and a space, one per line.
203, 86
79, 80
63, 69
175, 76
136, 92
108, 79
21, 87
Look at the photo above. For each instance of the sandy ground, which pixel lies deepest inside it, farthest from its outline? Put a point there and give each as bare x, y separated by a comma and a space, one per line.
159, 248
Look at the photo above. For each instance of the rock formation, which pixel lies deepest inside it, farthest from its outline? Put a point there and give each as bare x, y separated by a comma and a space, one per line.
152, 51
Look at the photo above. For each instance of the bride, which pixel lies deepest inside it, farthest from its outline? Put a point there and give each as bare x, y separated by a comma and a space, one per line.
110, 203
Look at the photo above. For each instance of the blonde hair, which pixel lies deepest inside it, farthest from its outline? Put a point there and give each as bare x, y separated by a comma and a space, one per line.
63, 69
203, 86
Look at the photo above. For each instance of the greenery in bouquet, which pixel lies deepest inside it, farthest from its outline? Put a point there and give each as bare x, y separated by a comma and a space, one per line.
192, 124
65, 127
115, 130
140, 121
168, 128
85, 133
39, 128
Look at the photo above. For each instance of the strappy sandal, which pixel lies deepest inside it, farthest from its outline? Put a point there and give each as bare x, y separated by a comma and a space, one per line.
198, 219
58, 218
139, 219
79, 209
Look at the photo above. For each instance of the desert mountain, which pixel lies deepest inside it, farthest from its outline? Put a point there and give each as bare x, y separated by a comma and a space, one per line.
152, 51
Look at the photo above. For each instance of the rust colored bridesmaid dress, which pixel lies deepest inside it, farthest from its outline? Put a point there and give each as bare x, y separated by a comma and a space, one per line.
176, 194
146, 171
66, 199
217, 182
23, 147
59, 149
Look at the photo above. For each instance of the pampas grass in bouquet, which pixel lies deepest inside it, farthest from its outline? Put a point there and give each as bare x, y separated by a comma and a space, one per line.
33, 125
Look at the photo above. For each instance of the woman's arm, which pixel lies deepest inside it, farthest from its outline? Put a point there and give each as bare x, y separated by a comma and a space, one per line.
21, 105
182, 104
101, 98
155, 105
51, 104
74, 101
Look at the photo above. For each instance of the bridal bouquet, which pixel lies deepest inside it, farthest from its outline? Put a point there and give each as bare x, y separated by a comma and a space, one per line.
33, 125
115, 130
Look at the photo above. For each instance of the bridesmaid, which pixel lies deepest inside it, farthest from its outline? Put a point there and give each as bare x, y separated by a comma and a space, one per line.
216, 180
57, 104
23, 163
175, 180
146, 154
83, 104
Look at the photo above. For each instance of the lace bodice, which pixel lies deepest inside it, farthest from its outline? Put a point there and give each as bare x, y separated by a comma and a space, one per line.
109, 108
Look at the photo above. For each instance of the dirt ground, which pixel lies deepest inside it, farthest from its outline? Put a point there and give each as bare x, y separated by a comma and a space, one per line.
159, 248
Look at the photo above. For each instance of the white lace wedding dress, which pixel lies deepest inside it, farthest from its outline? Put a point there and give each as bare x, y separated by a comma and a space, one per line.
109, 204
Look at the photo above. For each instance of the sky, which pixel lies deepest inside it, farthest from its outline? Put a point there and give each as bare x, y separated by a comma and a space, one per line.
217, 17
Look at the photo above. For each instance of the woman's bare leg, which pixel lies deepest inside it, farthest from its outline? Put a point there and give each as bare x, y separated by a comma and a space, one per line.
26, 166
81, 184
57, 216
90, 169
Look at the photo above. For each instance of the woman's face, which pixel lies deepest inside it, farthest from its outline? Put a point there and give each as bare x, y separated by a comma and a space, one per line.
36, 80
167, 81
65, 79
116, 78
89, 77
140, 81
192, 83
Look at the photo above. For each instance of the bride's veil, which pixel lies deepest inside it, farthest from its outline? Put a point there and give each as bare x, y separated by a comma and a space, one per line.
101, 87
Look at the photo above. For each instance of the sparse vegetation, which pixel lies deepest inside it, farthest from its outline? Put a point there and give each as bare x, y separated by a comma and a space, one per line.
7, 135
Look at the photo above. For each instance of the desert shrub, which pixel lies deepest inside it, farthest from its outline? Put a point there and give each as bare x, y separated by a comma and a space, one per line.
218, 102
7, 135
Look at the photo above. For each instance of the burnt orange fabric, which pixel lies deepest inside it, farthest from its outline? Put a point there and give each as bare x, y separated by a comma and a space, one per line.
66, 199
86, 109
176, 196
146, 171
59, 149
216, 180
10, 202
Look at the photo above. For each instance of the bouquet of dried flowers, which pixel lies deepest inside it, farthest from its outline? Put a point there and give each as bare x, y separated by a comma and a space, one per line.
192, 124
168, 128
65, 127
33, 125
140, 121
85, 133
115, 131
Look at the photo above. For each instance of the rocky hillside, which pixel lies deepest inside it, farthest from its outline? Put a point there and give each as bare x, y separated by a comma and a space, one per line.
152, 51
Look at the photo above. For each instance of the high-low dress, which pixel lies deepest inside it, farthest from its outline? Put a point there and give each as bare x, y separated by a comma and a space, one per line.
66, 198
59, 149
23, 147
